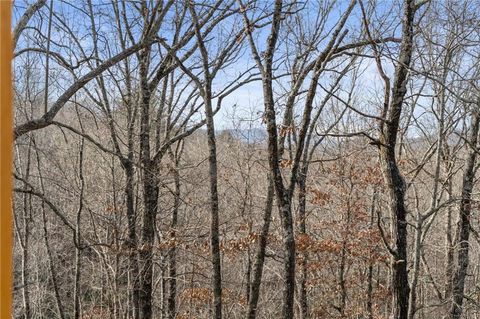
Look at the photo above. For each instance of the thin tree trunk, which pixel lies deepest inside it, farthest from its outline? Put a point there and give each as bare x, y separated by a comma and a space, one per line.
172, 254
419, 231
132, 238
342, 271
282, 195
302, 205
58, 299
248, 275
214, 226
342, 281
115, 296
416, 266
449, 251
26, 219
370, 262
463, 228
206, 92
260, 257
78, 244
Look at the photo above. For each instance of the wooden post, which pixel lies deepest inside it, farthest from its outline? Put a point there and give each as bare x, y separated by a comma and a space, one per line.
6, 129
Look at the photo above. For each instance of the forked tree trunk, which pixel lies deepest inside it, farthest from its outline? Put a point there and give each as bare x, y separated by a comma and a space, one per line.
206, 92
393, 179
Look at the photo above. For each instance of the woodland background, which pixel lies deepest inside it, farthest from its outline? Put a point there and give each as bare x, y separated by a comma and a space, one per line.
246, 159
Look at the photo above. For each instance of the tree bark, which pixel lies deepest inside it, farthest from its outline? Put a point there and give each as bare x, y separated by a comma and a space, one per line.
23, 21
25, 243
369, 302
260, 257
214, 226
282, 195
131, 245
77, 311
463, 227
302, 207
150, 193
391, 173
172, 254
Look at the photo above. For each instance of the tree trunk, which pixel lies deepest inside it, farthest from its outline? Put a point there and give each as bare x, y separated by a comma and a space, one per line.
25, 243
260, 258
172, 254
206, 92
132, 238
58, 299
416, 266
77, 312
392, 176
214, 226
150, 193
463, 228
148, 238
449, 251
396, 187
302, 206
282, 196
370, 262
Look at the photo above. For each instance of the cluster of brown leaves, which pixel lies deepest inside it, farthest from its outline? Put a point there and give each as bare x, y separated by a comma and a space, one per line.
305, 243
318, 197
364, 244
204, 296
110, 209
286, 163
285, 130
167, 244
234, 246
198, 295
373, 176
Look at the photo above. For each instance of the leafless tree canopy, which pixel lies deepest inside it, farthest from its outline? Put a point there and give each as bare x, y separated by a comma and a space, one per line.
246, 159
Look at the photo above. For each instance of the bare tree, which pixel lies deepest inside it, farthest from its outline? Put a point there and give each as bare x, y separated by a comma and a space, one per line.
388, 129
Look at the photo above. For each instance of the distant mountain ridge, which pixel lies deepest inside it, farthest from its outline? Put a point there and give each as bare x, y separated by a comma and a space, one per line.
249, 135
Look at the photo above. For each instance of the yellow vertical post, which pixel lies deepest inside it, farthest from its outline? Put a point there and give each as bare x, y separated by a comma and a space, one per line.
6, 130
